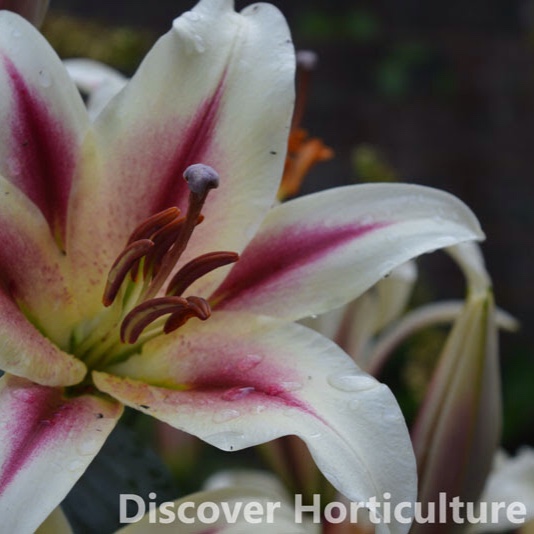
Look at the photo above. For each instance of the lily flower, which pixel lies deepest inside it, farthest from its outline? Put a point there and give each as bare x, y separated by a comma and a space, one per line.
119, 280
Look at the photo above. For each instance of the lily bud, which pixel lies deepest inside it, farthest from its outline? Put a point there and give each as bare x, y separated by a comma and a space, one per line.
32, 10
458, 428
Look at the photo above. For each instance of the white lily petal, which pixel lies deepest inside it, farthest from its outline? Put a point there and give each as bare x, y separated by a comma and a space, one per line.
320, 251
510, 481
98, 81
216, 89
43, 121
242, 380
46, 443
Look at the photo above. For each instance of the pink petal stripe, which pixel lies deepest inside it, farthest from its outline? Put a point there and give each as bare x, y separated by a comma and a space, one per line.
42, 157
195, 142
47, 440
42, 416
275, 260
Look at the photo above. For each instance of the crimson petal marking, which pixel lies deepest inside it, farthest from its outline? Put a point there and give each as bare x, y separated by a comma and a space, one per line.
42, 156
47, 441
275, 259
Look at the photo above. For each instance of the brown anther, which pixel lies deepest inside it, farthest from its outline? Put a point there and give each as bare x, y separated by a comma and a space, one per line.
163, 239
153, 224
198, 267
197, 307
125, 262
147, 312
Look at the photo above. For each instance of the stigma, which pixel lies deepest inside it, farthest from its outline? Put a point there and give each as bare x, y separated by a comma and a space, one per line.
152, 300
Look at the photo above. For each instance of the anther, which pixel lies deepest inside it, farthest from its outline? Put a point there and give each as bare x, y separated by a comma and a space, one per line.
147, 312
197, 307
153, 224
125, 262
198, 267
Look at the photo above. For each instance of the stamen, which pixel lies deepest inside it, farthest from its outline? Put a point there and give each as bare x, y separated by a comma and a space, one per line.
147, 312
198, 267
155, 246
153, 224
198, 307
126, 260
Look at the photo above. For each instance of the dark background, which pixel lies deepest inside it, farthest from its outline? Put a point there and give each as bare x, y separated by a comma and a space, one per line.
443, 94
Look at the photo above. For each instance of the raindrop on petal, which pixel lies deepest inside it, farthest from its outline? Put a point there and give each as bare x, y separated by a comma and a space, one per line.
352, 382
75, 465
227, 441
237, 393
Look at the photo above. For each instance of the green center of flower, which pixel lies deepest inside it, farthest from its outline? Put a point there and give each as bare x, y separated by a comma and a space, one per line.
137, 308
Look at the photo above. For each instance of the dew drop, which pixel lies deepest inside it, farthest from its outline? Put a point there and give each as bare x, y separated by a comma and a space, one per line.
226, 415
227, 441
390, 416
198, 42
75, 465
237, 393
351, 382
315, 435
191, 16
15, 34
291, 386
88, 447
248, 362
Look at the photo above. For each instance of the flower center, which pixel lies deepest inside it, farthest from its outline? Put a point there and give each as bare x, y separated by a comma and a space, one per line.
137, 309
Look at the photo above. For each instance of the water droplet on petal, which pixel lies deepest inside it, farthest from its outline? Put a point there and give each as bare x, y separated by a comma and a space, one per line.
16, 34
352, 382
291, 386
225, 415
192, 16
227, 441
237, 393
248, 362
75, 465
199, 44
88, 447
315, 435
391, 415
